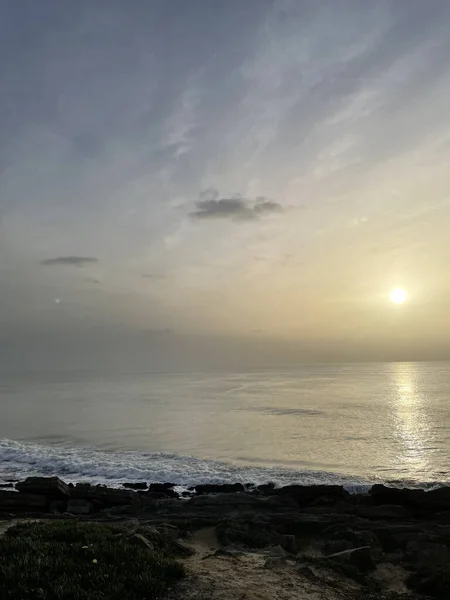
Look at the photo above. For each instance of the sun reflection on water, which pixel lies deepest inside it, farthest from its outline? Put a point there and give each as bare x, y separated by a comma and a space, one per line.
411, 420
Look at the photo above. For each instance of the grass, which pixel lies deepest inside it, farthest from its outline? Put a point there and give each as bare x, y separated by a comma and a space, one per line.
68, 560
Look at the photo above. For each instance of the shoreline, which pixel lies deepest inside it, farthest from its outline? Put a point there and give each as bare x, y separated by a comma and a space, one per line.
385, 544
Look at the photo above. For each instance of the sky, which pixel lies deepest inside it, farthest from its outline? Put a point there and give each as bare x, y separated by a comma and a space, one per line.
212, 182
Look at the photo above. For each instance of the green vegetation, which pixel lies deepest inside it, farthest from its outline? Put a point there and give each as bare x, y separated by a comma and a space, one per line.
67, 560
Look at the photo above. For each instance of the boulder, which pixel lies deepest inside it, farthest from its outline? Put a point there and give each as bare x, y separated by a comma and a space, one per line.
266, 488
79, 506
289, 543
142, 485
163, 488
140, 540
251, 533
427, 554
314, 495
52, 487
434, 583
14, 502
361, 558
104, 497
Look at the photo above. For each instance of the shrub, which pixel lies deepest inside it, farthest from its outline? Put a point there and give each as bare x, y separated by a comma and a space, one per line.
69, 560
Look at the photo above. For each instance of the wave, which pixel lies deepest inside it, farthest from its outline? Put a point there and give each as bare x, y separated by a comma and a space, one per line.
22, 459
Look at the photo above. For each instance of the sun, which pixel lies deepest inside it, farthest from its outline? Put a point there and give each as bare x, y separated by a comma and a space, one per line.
398, 295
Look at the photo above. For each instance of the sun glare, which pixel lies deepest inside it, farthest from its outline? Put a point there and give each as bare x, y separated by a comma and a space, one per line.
398, 296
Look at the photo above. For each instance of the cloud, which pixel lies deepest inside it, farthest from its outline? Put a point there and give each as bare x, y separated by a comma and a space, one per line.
153, 276
235, 209
72, 261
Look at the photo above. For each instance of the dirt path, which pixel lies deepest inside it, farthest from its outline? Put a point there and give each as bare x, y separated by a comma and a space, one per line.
218, 574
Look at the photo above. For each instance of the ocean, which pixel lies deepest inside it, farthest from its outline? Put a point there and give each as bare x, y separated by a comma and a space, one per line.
352, 424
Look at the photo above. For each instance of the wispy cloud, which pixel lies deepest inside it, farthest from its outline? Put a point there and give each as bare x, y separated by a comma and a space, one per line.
71, 261
181, 123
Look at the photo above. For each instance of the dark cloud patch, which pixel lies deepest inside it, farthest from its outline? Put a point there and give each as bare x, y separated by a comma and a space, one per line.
71, 261
265, 207
155, 276
234, 209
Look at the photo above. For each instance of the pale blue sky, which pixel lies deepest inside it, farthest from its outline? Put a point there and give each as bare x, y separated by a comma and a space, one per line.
257, 170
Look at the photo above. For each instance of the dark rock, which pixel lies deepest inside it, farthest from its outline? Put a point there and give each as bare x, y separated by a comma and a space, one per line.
383, 512
7, 485
52, 487
426, 554
335, 546
80, 507
142, 541
266, 488
230, 500
168, 532
289, 543
361, 558
14, 502
135, 486
306, 572
251, 533
163, 488
314, 494
104, 497
226, 488
395, 537
57, 506
435, 583
160, 540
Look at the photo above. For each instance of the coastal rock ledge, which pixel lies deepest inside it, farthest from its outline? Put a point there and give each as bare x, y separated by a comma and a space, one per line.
368, 539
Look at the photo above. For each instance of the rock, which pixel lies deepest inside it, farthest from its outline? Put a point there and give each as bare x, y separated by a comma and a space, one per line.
57, 506
168, 532
52, 487
435, 583
139, 540
384, 512
361, 558
279, 551
231, 499
275, 562
136, 486
226, 488
159, 540
104, 497
7, 485
314, 495
163, 488
426, 554
80, 507
289, 543
335, 546
266, 488
251, 533
14, 502
306, 572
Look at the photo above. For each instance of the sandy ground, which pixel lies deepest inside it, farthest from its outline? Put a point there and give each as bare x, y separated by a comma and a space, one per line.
216, 574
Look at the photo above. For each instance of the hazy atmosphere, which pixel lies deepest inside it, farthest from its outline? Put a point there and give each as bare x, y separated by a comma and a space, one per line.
207, 182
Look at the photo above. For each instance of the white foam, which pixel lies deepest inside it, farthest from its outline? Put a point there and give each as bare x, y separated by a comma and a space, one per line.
22, 459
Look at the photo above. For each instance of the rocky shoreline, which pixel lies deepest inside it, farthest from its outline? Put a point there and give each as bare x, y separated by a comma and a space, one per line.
388, 543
